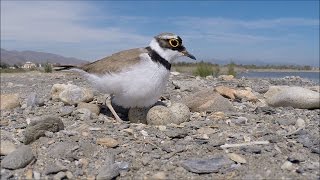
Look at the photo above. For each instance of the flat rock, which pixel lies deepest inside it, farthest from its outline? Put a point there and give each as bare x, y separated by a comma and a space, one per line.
246, 94
208, 100
226, 77
36, 129
108, 172
108, 142
207, 165
9, 101
7, 147
71, 94
19, 158
53, 168
297, 97
91, 107
226, 91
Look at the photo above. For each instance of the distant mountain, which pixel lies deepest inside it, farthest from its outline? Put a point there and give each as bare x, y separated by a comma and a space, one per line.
20, 57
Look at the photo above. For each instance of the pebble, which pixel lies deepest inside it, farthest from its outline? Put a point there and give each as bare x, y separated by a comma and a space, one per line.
83, 114
206, 130
226, 91
28, 174
36, 175
159, 176
159, 115
287, 166
208, 100
9, 101
19, 158
59, 176
108, 172
36, 129
71, 94
226, 77
66, 110
7, 147
236, 158
297, 97
32, 100
246, 94
207, 165
108, 142
53, 168
93, 108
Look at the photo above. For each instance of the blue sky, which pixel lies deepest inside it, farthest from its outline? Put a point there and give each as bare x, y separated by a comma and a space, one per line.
265, 31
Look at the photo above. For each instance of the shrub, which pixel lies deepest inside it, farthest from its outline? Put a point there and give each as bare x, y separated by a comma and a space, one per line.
47, 68
203, 69
231, 70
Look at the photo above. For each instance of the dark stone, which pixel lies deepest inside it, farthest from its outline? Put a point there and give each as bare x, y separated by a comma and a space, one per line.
37, 129
201, 166
19, 158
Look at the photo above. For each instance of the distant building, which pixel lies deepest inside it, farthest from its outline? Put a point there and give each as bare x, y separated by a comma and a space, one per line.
29, 65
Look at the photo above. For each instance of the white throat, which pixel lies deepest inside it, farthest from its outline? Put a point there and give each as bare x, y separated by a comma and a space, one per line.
166, 54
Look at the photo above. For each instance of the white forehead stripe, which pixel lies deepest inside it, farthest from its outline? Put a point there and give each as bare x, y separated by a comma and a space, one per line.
169, 37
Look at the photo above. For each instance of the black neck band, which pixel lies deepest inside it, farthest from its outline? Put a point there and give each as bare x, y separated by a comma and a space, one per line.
157, 58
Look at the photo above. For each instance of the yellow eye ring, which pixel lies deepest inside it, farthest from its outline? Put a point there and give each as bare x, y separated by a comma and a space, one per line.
174, 42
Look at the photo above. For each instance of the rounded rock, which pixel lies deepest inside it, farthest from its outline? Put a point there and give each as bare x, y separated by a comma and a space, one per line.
159, 115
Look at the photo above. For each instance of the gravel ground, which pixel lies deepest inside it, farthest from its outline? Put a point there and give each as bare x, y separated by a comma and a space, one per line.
266, 142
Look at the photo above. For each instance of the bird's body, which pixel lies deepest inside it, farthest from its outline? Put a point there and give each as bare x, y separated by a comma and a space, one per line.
139, 85
136, 77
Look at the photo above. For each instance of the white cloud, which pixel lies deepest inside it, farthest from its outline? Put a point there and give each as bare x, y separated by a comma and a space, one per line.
56, 21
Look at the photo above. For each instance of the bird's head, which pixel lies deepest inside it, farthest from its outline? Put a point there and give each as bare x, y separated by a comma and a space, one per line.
169, 46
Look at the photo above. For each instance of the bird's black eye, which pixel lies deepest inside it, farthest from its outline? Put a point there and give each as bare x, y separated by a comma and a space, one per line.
174, 43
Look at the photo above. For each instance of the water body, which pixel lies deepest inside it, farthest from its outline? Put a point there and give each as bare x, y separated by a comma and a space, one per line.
313, 76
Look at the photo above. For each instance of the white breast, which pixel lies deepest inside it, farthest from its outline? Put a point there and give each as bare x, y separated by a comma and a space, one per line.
139, 86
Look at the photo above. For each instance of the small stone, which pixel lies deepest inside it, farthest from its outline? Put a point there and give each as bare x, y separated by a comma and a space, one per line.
159, 115
297, 97
4, 122
128, 130
71, 94
207, 165
19, 158
217, 115
206, 130
53, 168
7, 147
144, 133
181, 113
28, 174
296, 157
300, 123
236, 158
59, 176
287, 166
226, 91
159, 176
226, 77
69, 175
138, 115
246, 94
37, 129
240, 120
32, 100
175, 73
83, 114
108, 172
9, 101
162, 128
124, 166
93, 108
109, 142
36, 175
208, 100
66, 110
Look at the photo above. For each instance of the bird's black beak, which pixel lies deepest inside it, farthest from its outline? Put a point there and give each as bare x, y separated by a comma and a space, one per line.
186, 53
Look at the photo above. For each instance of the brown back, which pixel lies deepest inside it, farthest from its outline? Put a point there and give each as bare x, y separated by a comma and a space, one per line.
116, 62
